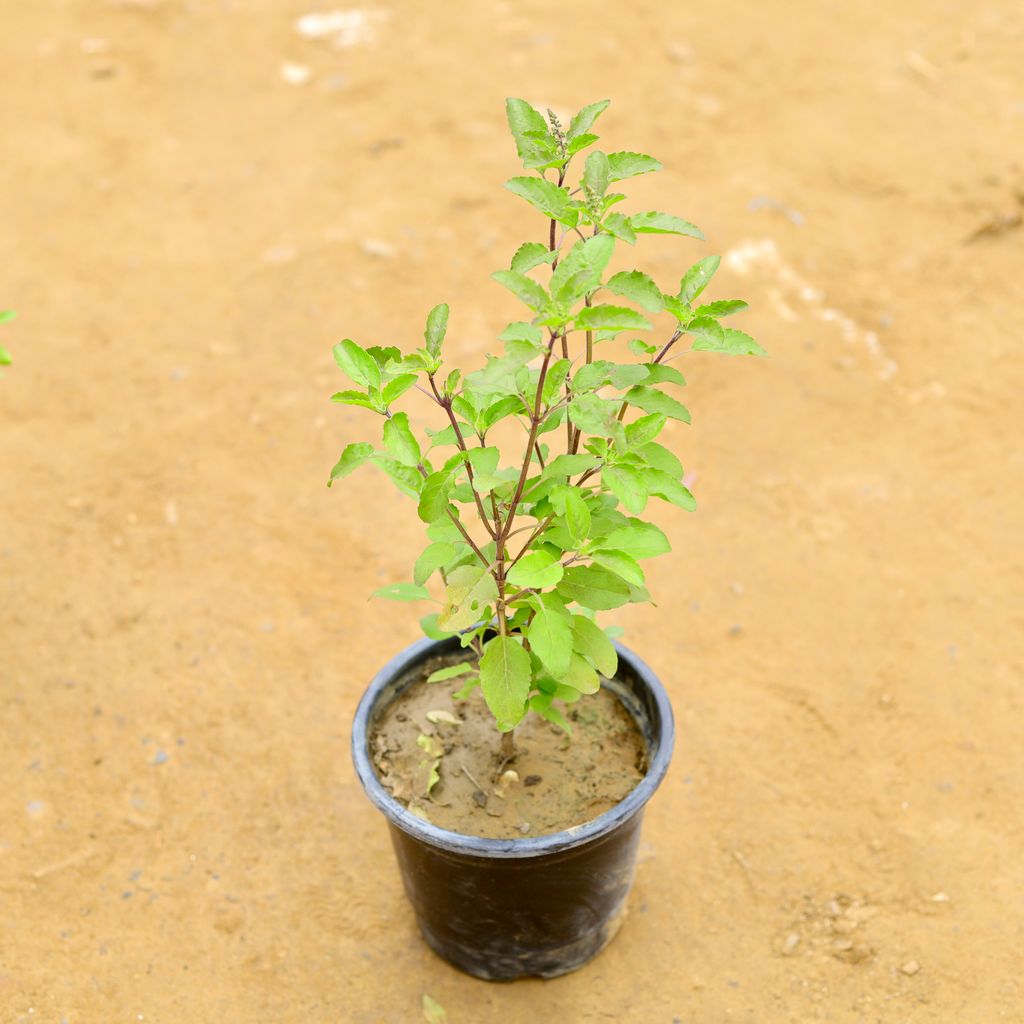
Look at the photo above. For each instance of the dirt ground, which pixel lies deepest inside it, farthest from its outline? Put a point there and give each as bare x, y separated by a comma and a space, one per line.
197, 200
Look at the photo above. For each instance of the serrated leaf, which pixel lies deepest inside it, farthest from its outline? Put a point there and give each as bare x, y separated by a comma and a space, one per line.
696, 279
522, 331
497, 411
593, 415
505, 677
394, 389
659, 373
627, 485
437, 326
577, 515
536, 570
580, 675
569, 465
574, 146
721, 307
551, 639
659, 457
637, 539
352, 458
354, 398
552, 200
450, 672
581, 269
523, 288
611, 318
432, 558
471, 588
402, 592
399, 440
530, 255
653, 222
593, 587
621, 564
645, 429
661, 485
642, 348
618, 224
597, 173
590, 641
358, 364
584, 119
625, 164
732, 343
638, 287
652, 400
434, 496
405, 478
534, 142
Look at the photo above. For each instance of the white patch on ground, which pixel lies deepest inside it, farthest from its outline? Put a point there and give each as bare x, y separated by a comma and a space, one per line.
793, 290
341, 28
295, 74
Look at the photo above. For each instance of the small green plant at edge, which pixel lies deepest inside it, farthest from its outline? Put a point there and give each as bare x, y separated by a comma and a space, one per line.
529, 547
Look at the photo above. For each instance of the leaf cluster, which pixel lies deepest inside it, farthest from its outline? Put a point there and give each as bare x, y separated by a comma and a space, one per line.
529, 540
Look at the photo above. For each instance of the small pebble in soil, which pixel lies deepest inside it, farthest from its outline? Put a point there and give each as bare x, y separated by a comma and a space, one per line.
480, 798
531, 780
911, 967
160, 757
524, 827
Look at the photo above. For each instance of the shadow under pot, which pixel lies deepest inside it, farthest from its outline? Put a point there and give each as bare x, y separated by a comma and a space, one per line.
502, 909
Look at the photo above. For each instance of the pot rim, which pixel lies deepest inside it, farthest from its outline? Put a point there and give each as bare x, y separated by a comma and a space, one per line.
530, 846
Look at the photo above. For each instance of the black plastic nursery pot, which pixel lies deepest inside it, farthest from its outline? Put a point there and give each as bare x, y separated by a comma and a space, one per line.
542, 906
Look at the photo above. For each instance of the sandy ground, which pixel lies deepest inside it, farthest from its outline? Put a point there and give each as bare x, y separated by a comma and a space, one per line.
196, 201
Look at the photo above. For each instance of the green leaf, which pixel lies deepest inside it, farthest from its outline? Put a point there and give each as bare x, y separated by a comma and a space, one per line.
659, 457
552, 200
437, 325
597, 173
402, 592
5, 360
655, 223
723, 307
569, 465
638, 287
498, 410
621, 564
534, 142
618, 225
541, 703
577, 515
432, 558
645, 429
661, 485
394, 389
399, 440
450, 672
581, 142
352, 457
583, 121
405, 478
638, 539
435, 496
625, 164
505, 676
593, 415
590, 641
593, 587
627, 485
530, 255
642, 348
523, 288
595, 375
732, 343
522, 331
430, 628
471, 588
7, 315
707, 331
580, 675
550, 639
581, 269
696, 279
354, 398
537, 570
467, 688
433, 1011
659, 373
358, 364
652, 400
610, 318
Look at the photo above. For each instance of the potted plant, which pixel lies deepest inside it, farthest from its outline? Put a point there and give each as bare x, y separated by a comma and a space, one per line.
515, 802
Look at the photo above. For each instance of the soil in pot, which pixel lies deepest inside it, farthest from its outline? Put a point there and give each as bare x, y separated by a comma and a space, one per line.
441, 757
